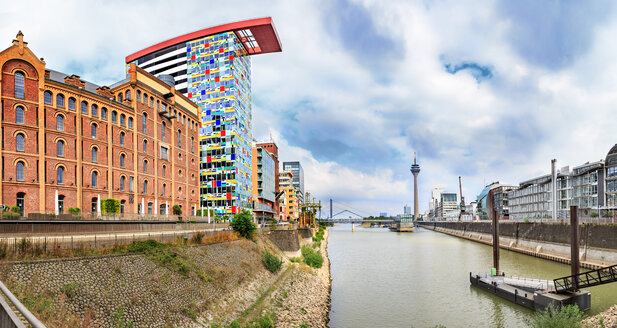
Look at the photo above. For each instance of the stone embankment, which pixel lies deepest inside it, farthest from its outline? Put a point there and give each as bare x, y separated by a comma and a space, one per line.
606, 319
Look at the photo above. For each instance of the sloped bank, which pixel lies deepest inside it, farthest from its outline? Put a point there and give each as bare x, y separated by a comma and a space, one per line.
182, 286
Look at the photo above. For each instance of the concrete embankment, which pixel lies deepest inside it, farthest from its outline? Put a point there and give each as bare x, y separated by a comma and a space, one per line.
598, 245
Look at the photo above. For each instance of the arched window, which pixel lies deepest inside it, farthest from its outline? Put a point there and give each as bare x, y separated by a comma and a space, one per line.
84, 107
122, 119
151, 101
150, 207
103, 113
93, 131
122, 158
60, 123
164, 169
60, 101
60, 148
130, 122
179, 139
127, 95
60, 175
72, 103
114, 117
145, 166
163, 125
131, 184
145, 100
19, 85
164, 186
47, 96
19, 115
138, 95
192, 144
145, 186
144, 123
95, 178
19, 142
95, 152
145, 146
94, 110
19, 171
121, 138
120, 97
122, 182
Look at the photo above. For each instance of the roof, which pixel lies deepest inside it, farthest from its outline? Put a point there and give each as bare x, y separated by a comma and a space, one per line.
611, 157
257, 35
59, 77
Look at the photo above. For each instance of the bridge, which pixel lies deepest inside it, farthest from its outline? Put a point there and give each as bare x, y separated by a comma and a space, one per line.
355, 220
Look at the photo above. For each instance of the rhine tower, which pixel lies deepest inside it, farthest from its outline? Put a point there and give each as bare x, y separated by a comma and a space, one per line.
415, 170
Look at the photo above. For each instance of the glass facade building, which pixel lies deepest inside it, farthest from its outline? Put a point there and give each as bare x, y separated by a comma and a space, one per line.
298, 177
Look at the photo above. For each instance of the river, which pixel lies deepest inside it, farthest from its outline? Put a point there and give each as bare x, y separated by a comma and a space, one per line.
421, 279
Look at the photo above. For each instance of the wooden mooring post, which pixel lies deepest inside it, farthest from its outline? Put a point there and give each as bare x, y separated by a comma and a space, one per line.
496, 242
574, 245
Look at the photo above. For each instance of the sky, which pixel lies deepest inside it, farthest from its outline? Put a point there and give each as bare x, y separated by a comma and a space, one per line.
485, 90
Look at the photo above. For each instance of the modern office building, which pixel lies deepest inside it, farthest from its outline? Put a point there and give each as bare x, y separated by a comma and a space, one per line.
70, 143
406, 209
288, 204
298, 177
286, 179
264, 184
212, 67
497, 201
610, 170
447, 203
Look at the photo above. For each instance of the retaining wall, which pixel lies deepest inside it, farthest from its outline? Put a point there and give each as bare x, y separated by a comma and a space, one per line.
77, 227
285, 240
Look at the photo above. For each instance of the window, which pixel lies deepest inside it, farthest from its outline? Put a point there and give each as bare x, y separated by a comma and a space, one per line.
60, 175
94, 110
19, 115
137, 95
163, 131
47, 96
164, 169
145, 146
145, 100
151, 101
164, 186
61, 204
114, 117
164, 154
122, 158
150, 208
60, 123
60, 148
122, 119
192, 144
179, 173
95, 178
120, 97
19, 85
128, 95
162, 209
130, 122
179, 139
60, 101
93, 131
145, 166
122, 182
144, 123
19, 171
121, 138
95, 152
94, 202
122, 203
19, 142
145, 186
72, 103
103, 113
84, 107
21, 201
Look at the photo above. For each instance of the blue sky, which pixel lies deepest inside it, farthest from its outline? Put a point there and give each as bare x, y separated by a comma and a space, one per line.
489, 90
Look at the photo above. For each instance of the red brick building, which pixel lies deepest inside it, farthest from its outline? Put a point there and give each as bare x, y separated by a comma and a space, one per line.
69, 143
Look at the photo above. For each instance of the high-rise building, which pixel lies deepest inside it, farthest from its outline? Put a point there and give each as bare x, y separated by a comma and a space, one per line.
384, 214
406, 209
212, 67
70, 143
447, 203
263, 184
298, 177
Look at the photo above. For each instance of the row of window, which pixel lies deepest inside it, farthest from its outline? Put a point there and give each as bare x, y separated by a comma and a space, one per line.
160, 107
94, 109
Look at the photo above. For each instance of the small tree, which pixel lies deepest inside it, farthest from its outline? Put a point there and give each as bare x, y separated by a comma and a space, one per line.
176, 209
110, 206
243, 224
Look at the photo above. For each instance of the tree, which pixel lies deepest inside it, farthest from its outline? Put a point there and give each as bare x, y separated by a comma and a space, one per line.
243, 224
110, 206
177, 210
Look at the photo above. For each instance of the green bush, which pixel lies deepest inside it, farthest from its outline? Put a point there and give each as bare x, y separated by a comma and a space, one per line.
176, 209
594, 214
311, 257
110, 206
16, 209
243, 224
74, 210
295, 260
70, 289
142, 246
271, 262
565, 317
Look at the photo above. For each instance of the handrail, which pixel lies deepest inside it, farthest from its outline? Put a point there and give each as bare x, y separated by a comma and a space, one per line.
36, 323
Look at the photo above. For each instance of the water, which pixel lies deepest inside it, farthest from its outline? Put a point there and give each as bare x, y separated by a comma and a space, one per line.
421, 279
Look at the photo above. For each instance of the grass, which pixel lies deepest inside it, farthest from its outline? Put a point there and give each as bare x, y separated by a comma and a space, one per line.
271, 262
70, 289
312, 258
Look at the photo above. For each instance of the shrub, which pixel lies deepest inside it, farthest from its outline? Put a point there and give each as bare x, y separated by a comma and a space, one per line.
243, 224
594, 214
311, 257
197, 237
74, 210
3, 250
295, 259
526, 220
70, 289
110, 206
564, 317
176, 209
16, 209
119, 321
142, 246
271, 262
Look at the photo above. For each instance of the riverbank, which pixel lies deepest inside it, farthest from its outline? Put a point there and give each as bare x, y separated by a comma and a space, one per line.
606, 319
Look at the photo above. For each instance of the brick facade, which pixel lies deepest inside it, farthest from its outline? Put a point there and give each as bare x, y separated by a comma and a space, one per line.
63, 147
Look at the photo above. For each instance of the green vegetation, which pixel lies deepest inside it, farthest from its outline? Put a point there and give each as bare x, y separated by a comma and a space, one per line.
594, 214
176, 209
205, 212
304, 324
243, 224
70, 289
197, 237
190, 311
295, 259
312, 258
565, 317
119, 321
265, 321
74, 210
271, 262
110, 206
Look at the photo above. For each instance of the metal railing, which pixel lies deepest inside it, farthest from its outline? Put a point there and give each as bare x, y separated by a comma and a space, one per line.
586, 279
9, 318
